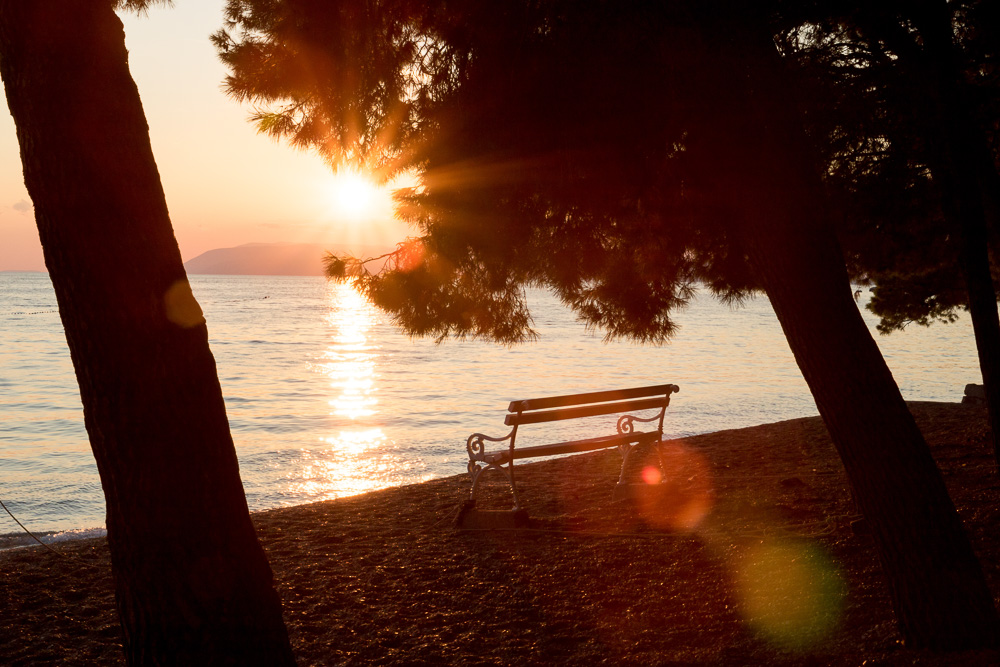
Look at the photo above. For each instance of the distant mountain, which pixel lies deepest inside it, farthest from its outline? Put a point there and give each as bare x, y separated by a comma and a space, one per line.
268, 259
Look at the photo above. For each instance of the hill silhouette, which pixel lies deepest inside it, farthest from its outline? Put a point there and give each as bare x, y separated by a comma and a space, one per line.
269, 259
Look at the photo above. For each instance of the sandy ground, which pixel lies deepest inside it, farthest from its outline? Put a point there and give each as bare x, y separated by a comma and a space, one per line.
744, 555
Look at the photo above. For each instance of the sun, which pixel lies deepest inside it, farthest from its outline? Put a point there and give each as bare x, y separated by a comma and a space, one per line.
354, 196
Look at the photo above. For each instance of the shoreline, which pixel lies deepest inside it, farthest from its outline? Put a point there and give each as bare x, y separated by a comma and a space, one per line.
17, 539
383, 577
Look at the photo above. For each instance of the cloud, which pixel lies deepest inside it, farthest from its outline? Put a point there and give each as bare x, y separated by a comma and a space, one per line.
22, 206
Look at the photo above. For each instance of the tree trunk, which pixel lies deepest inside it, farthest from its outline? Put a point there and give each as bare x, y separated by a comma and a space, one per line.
193, 585
937, 587
962, 166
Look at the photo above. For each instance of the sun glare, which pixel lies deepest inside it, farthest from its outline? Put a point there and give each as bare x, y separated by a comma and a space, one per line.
354, 196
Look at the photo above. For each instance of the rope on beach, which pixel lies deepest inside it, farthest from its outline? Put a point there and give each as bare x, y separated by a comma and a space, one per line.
447, 517
30, 534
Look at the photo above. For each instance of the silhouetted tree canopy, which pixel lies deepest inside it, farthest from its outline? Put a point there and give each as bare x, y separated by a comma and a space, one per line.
551, 143
875, 115
529, 122
908, 108
140, 6
620, 154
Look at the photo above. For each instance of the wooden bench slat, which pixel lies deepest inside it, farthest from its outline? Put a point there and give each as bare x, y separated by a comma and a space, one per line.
587, 411
592, 397
570, 447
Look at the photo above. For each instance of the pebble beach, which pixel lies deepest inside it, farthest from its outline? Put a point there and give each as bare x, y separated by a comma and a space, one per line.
748, 551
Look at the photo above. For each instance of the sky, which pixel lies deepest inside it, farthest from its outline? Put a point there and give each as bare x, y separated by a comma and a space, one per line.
225, 184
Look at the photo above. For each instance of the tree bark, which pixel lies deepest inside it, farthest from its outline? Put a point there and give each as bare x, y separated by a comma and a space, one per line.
193, 585
937, 587
936, 584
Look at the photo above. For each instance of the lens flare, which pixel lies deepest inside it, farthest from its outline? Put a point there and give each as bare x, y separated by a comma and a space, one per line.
181, 307
651, 475
679, 495
412, 256
791, 592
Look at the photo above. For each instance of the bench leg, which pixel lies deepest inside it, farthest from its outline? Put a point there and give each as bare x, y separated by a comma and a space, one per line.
626, 451
476, 470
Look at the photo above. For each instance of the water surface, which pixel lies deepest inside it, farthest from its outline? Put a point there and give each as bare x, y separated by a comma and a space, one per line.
326, 398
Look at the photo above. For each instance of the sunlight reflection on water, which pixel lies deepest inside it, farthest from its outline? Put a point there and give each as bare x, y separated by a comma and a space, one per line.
349, 361
357, 458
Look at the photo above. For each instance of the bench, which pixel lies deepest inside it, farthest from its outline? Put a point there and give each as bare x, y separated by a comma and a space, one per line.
626, 437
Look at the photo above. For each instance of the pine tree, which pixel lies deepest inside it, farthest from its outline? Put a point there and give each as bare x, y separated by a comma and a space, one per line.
621, 155
192, 583
907, 98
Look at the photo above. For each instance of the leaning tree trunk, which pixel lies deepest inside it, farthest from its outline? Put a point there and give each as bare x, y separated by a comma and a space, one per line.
962, 166
192, 582
936, 584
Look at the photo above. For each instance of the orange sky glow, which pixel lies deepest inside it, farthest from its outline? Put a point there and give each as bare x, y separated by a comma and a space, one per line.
225, 184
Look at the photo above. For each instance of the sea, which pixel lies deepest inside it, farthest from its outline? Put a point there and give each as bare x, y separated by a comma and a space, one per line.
327, 398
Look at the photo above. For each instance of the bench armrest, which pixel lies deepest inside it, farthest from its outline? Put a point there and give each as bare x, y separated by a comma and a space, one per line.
476, 444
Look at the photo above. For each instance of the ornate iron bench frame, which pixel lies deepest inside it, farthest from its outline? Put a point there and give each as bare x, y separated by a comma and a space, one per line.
624, 402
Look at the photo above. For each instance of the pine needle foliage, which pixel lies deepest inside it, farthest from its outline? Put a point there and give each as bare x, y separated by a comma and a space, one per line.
552, 144
875, 113
140, 7
571, 146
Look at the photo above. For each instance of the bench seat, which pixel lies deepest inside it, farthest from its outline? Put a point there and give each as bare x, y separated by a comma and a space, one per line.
503, 456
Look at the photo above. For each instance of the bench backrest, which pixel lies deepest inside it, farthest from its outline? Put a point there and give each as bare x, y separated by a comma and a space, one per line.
572, 406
